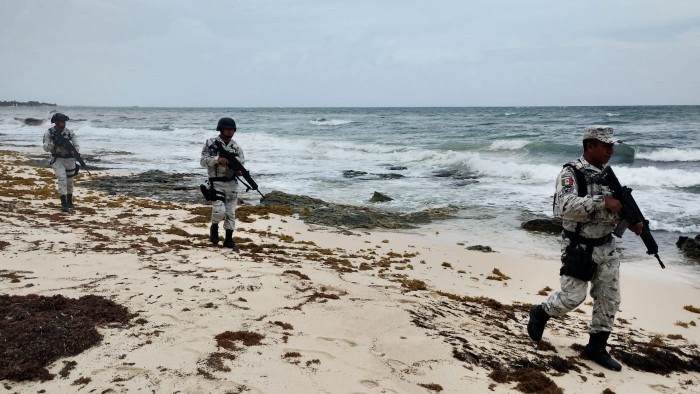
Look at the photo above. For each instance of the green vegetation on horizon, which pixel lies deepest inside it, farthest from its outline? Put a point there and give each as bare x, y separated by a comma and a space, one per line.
25, 104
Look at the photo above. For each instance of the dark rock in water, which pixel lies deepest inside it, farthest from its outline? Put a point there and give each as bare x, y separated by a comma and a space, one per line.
480, 248
33, 121
313, 210
353, 173
466, 182
379, 197
551, 226
389, 176
689, 246
443, 173
398, 168
152, 184
459, 175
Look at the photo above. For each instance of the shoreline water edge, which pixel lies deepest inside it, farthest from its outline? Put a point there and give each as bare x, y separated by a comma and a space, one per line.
495, 166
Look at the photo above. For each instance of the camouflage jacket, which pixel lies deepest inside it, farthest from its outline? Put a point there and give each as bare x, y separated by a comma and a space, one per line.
210, 157
589, 210
56, 150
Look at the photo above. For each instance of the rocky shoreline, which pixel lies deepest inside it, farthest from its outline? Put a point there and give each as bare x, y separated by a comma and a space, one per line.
185, 188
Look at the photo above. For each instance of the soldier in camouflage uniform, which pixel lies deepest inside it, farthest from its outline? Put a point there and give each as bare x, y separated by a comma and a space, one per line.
222, 180
589, 214
62, 161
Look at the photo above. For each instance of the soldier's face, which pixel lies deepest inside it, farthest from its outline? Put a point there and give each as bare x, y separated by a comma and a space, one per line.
600, 152
227, 133
60, 124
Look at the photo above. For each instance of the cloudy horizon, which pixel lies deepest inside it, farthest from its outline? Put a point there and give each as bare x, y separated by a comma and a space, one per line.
350, 53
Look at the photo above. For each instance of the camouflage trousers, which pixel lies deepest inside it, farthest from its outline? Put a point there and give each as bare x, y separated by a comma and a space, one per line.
65, 171
225, 210
605, 290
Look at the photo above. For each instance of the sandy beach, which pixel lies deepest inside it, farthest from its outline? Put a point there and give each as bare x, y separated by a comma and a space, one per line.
308, 309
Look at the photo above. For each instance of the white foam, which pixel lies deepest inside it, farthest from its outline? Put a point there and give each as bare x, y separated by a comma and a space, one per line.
656, 177
331, 122
610, 114
508, 144
669, 154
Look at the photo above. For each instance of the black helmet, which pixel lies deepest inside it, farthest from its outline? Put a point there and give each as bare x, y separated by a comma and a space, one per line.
226, 123
59, 117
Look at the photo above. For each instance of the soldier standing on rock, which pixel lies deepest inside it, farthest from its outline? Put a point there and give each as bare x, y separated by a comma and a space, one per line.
62, 160
589, 214
222, 180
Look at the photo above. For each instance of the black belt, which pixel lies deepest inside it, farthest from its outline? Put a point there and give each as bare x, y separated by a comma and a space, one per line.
62, 156
587, 241
222, 179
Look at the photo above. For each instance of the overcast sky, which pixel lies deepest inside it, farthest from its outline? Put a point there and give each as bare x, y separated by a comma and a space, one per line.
350, 52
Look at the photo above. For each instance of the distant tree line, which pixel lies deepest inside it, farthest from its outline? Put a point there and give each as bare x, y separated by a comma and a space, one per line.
25, 104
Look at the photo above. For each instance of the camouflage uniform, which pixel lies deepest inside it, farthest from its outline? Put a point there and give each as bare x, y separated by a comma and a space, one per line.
223, 180
595, 222
62, 162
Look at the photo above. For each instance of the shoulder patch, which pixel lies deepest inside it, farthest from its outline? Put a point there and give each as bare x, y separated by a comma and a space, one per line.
567, 181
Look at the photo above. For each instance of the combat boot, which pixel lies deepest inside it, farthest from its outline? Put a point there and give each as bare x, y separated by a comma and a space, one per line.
214, 233
538, 319
69, 201
64, 203
595, 351
228, 242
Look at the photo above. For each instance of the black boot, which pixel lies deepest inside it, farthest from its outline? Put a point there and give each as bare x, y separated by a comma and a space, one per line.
64, 203
214, 233
538, 319
595, 351
228, 242
69, 201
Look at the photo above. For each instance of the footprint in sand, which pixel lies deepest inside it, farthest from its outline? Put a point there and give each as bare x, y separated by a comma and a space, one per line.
370, 384
339, 340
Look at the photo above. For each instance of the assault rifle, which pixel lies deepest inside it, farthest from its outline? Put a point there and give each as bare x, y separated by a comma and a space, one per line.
630, 213
237, 167
60, 140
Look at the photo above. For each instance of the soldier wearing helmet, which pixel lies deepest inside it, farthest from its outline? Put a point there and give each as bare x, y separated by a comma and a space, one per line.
222, 181
589, 214
62, 161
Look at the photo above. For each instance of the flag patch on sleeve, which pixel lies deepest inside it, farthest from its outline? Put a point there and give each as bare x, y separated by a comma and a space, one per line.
568, 181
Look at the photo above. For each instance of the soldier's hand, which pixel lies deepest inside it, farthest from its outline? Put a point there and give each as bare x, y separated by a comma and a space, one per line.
612, 204
637, 228
223, 161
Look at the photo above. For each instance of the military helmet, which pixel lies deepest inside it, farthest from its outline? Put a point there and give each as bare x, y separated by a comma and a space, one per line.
59, 117
226, 123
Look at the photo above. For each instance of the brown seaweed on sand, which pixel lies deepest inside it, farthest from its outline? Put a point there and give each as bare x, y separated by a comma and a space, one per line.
38, 330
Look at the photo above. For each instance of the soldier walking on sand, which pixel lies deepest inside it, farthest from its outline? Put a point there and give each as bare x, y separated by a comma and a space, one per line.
589, 214
62, 160
222, 180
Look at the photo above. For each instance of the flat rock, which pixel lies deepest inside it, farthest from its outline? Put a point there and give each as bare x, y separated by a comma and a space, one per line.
316, 211
550, 226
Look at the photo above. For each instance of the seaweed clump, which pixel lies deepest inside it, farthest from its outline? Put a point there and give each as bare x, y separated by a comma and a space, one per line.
529, 380
38, 330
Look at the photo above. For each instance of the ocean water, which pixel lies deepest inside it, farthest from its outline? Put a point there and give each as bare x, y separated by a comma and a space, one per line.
496, 165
